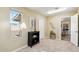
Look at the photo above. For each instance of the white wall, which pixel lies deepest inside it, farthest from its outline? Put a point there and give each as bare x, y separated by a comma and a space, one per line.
74, 29
4, 29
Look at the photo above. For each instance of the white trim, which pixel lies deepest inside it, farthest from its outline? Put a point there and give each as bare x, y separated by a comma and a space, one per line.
19, 48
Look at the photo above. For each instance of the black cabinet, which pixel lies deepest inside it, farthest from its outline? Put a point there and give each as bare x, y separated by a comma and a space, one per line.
33, 38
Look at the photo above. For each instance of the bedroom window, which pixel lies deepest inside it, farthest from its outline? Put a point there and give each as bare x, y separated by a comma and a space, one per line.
15, 20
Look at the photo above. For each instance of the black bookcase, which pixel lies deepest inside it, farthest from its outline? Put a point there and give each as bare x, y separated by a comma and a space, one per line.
33, 38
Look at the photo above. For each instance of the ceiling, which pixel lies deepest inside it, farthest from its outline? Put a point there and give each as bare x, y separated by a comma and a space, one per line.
44, 10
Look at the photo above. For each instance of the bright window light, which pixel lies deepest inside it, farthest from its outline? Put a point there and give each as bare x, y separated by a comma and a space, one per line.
23, 26
56, 11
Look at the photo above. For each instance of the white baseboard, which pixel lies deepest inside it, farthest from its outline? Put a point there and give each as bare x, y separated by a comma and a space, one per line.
19, 48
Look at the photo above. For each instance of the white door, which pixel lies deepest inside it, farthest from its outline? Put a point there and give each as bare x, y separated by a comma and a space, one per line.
41, 28
74, 29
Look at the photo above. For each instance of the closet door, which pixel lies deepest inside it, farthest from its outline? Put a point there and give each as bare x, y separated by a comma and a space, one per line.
41, 28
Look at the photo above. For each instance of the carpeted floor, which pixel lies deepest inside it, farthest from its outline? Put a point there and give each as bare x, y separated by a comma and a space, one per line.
50, 45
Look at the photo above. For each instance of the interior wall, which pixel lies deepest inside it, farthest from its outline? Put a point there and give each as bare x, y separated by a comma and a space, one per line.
56, 21
4, 29
46, 28
7, 42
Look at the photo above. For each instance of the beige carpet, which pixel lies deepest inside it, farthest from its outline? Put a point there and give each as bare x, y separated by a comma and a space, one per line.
49, 45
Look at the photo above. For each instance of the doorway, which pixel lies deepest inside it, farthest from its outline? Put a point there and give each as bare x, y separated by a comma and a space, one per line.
66, 29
